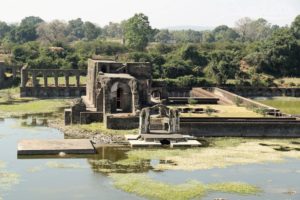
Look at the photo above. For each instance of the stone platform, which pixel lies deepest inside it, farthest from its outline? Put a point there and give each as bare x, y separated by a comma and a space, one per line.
55, 146
154, 140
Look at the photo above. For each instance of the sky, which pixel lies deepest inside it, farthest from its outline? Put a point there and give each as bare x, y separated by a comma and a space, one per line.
161, 13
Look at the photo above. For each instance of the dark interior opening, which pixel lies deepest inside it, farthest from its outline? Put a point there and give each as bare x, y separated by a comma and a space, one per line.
165, 142
119, 95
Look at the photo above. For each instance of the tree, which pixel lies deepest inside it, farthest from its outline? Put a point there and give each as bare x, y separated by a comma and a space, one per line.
253, 30
113, 30
91, 31
4, 29
53, 31
295, 27
76, 28
222, 66
26, 31
31, 21
224, 33
282, 52
137, 31
163, 36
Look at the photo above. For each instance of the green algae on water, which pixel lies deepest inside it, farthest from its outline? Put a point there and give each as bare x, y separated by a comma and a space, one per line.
142, 185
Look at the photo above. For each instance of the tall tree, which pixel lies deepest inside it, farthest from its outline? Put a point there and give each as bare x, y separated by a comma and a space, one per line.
4, 29
76, 28
91, 31
27, 30
295, 27
52, 32
137, 31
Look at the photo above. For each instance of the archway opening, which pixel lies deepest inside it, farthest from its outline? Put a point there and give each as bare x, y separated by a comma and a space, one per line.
121, 98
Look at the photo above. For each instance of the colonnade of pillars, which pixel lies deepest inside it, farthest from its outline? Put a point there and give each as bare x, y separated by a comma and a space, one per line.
46, 74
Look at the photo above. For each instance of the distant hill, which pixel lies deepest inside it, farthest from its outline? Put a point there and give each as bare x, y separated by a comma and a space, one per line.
186, 27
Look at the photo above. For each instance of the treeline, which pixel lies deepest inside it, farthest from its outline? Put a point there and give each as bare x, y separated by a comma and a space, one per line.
254, 52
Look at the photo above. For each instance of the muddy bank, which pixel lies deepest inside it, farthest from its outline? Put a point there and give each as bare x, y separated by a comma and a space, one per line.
73, 132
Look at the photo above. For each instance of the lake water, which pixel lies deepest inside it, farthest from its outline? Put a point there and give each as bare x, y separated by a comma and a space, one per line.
78, 178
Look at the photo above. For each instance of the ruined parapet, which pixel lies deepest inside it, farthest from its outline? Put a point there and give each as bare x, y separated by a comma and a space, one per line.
32, 87
170, 119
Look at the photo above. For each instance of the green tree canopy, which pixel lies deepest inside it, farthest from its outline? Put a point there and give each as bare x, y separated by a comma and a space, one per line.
137, 31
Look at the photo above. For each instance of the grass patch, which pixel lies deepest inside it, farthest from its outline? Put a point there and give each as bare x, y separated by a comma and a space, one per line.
33, 107
142, 185
100, 128
290, 105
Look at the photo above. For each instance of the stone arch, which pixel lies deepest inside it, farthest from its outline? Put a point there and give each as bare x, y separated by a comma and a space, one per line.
121, 98
156, 94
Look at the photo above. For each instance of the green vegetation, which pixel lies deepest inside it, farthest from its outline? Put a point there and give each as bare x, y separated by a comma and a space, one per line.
32, 107
253, 53
135, 183
287, 105
7, 179
223, 152
100, 128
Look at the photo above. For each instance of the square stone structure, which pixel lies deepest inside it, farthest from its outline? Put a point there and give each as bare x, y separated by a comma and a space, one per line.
114, 88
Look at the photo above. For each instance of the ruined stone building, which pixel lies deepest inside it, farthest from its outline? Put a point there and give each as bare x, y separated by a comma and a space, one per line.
113, 90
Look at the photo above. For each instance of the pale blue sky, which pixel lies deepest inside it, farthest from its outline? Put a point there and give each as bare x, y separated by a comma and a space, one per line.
162, 13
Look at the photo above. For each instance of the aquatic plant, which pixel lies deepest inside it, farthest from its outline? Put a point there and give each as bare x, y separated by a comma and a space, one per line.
142, 185
223, 152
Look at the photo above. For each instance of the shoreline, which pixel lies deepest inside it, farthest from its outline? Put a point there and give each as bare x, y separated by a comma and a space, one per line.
71, 132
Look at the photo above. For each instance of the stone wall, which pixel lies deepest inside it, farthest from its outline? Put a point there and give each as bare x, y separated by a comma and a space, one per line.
242, 129
122, 123
242, 100
8, 81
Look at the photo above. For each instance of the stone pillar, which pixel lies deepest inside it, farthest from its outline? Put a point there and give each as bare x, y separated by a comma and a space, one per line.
56, 79
24, 77
77, 80
67, 80
14, 71
144, 126
1, 74
45, 79
34, 81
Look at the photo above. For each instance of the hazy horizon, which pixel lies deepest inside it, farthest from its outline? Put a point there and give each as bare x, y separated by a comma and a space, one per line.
162, 14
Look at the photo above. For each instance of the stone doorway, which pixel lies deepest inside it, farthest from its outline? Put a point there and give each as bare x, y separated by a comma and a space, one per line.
121, 98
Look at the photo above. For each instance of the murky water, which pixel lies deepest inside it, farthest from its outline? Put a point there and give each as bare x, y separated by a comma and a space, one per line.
85, 177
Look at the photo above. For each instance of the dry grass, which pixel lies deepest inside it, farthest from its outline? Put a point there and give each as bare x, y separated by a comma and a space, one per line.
223, 111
